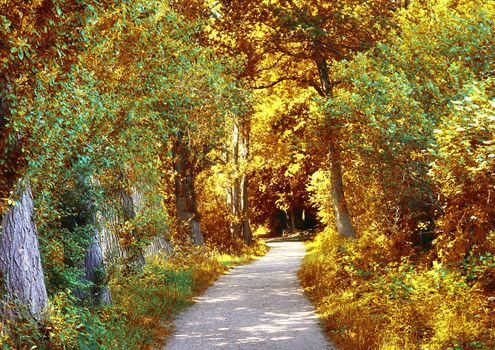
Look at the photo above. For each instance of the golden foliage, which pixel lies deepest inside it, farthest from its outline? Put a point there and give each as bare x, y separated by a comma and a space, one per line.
368, 300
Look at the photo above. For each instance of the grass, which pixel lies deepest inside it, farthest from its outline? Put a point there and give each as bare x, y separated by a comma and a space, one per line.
229, 260
169, 285
250, 254
369, 299
144, 305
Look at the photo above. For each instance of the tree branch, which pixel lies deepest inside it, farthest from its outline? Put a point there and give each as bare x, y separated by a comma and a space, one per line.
277, 61
276, 82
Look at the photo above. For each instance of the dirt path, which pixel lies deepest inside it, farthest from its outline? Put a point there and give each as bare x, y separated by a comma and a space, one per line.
256, 306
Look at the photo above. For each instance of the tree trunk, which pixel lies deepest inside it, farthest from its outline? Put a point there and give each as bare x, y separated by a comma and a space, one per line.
84, 215
292, 214
235, 204
247, 234
135, 255
185, 193
95, 272
342, 217
113, 252
20, 262
239, 192
160, 245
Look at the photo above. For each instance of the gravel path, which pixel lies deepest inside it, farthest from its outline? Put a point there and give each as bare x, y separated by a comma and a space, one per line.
255, 306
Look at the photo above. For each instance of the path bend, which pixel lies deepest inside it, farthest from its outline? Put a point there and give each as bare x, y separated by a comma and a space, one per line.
255, 306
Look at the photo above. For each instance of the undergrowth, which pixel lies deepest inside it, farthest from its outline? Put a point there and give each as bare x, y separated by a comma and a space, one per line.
144, 305
369, 299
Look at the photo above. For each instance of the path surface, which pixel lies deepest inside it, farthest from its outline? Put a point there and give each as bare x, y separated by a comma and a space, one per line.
255, 306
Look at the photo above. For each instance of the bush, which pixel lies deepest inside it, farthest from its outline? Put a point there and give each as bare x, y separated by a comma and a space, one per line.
368, 302
463, 170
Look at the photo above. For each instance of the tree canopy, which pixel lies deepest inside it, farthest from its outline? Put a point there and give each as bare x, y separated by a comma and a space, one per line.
140, 139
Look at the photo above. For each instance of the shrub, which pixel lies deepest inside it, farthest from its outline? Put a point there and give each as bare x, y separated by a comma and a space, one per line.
371, 303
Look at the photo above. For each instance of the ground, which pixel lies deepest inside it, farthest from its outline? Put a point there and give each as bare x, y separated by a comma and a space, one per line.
256, 306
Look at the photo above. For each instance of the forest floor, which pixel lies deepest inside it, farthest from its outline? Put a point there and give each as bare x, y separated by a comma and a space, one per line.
255, 306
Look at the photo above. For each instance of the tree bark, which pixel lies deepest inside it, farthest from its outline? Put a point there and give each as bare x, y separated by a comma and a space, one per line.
235, 203
95, 272
185, 193
20, 262
135, 255
113, 252
292, 214
160, 245
342, 217
247, 234
84, 215
239, 204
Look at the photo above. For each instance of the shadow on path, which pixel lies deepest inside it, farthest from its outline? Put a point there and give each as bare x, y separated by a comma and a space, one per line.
255, 306
294, 236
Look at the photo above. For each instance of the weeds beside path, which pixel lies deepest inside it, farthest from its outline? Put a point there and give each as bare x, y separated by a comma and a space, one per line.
370, 299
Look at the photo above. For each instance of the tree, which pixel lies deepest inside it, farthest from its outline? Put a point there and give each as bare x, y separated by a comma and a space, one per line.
20, 263
286, 152
33, 37
237, 194
185, 193
294, 41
